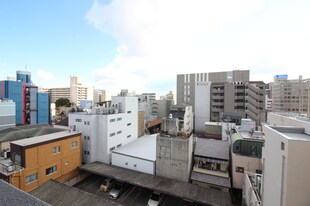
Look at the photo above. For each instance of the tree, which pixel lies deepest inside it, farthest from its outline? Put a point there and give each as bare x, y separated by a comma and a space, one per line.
63, 102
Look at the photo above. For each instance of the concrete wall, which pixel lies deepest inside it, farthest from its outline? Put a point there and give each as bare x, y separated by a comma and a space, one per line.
133, 163
249, 164
274, 164
202, 105
174, 157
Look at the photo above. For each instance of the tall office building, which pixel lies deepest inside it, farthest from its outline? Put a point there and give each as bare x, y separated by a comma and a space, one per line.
186, 83
31, 105
291, 95
99, 95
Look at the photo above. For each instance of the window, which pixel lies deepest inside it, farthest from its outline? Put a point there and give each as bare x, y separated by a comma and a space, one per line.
240, 169
282, 146
112, 148
32, 178
119, 119
253, 150
128, 124
18, 159
51, 170
88, 123
74, 144
128, 112
85, 122
119, 132
87, 137
128, 136
56, 149
78, 120
112, 120
119, 145
112, 134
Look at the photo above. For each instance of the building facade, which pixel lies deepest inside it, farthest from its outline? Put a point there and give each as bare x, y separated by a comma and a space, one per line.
7, 114
38, 159
291, 95
244, 98
174, 156
106, 128
186, 83
211, 164
202, 105
286, 166
30, 104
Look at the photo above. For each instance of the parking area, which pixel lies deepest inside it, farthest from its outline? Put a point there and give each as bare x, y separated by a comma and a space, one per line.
131, 195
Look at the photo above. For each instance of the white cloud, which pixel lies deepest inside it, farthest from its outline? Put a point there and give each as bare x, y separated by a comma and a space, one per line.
159, 39
44, 75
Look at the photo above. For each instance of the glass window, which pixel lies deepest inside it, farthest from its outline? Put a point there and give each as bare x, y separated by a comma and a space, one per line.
51, 170
240, 169
119, 132
56, 149
74, 144
32, 178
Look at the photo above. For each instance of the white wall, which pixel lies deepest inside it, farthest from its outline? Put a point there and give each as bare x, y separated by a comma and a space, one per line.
133, 163
202, 105
98, 128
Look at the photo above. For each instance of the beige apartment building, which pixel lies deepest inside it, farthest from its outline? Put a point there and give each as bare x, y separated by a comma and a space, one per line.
291, 95
244, 98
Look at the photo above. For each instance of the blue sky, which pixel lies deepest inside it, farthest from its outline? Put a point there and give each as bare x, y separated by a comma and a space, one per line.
143, 44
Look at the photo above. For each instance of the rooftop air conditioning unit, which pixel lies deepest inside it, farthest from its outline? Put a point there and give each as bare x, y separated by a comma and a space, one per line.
10, 168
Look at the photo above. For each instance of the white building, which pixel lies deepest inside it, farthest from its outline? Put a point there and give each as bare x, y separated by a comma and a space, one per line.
105, 129
79, 92
202, 105
7, 114
286, 166
139, 155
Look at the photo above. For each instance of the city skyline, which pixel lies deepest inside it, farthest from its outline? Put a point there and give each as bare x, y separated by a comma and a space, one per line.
143, 45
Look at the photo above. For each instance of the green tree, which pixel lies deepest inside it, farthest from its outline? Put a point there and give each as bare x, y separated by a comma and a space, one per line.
63, 102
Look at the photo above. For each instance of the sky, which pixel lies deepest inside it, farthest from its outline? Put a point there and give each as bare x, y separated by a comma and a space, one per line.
141, 45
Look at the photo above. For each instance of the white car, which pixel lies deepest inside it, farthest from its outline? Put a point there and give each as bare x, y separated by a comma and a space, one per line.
155, 199
116, 190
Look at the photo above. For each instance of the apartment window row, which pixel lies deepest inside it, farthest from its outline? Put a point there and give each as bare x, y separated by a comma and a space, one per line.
56, 149
51, 170
78, 120
32, 178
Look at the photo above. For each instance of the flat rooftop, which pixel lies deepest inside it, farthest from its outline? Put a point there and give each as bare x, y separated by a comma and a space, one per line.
45, 138
292, 133
211, 179
58, 194
165, 185
142, 148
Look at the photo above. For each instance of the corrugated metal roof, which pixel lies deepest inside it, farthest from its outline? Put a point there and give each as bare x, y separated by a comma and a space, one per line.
212, 148
211, 179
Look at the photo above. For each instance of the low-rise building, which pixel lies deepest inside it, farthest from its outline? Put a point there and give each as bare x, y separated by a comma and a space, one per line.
38, 159
139, 155
7, 114
211, 164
